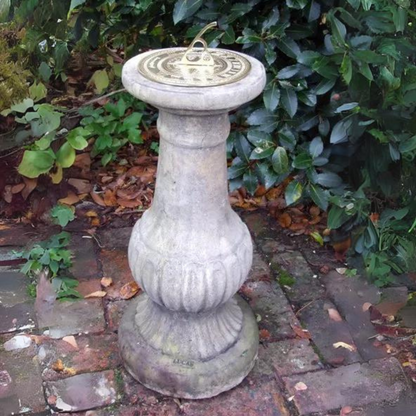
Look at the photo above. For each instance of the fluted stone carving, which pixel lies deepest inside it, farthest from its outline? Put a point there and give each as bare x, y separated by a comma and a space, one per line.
189, 335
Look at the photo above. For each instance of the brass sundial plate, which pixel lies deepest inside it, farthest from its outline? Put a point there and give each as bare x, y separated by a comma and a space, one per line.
168, 66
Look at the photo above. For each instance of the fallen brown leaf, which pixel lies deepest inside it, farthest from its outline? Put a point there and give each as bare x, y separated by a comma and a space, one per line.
7, 194
346, 410
334, 315
97, 294
81, 185
110, 198
285, 220
129, 290
83, 161
97, 199
344, 345
366, 306
300, 332
17, 188
127, 203
30, 186
106, 281
70, 339
300, 386
314, 211
70, 199
264, 334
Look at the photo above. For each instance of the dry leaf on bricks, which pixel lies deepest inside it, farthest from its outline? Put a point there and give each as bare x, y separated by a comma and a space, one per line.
300, 386
334, 315
97, 294
129, 290
345, 345
106, 281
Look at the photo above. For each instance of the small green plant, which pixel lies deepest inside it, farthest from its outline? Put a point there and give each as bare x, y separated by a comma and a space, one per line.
155, 147
113, 125
62, 214
351, 272
53, 256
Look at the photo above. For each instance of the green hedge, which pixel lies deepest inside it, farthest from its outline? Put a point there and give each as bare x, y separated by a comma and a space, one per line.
337, 116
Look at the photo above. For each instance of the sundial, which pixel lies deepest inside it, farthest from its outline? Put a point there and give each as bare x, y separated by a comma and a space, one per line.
194, 66
188, 334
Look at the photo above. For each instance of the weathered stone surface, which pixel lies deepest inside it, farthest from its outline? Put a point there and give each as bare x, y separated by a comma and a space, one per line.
16, 307
274, 314
86, 265
20, 317
327, 327
113, 312
275, 317
115, 265
392, 300
86, 287
250, 398
69, 318
143, 398
408, 315
294, 356
306, 286
357, 384
13, 288
350, 296
158, 409
115, 237
82, 392
17, 234
8, 260
92, 353
190, 252
24, 392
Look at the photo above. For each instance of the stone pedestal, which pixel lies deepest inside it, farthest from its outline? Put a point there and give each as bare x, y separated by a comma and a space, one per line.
188, 335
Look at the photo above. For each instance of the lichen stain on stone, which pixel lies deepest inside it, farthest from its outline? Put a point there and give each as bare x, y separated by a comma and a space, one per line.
103, 390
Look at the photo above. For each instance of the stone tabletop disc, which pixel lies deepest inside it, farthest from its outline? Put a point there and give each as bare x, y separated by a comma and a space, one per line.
167, 66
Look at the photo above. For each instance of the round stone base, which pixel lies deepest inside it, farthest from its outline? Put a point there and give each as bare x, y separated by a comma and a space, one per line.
179, 376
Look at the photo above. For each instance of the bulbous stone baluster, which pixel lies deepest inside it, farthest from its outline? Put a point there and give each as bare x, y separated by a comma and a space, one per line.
189, 335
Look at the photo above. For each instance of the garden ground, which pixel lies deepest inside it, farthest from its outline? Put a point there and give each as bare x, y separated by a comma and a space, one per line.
330, 342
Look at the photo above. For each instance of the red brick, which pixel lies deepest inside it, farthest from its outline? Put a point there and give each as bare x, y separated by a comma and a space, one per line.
94, 353
115, 265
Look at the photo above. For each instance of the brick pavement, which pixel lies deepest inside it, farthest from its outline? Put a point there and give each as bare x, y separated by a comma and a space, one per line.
69, 363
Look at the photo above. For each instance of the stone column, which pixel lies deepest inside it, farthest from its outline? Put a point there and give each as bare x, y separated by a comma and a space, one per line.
189, 335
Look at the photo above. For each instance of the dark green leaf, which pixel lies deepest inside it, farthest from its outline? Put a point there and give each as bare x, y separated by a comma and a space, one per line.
328, 180
302, 161
319, 196
229, 36
184, 9
336, 217
250, 181
289, 47
243, 148
289, 101
280, 161
316, 147
271, 96
341, 131
293, 192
